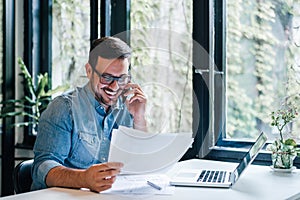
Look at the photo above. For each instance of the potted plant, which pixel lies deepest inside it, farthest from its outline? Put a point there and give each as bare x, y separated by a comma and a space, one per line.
284, 150
36, 99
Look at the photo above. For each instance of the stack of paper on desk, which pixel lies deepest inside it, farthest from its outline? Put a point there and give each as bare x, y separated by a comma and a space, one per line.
137, 184
143, 152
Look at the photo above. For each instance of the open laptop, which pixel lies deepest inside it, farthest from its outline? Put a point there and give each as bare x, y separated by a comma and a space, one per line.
218, 178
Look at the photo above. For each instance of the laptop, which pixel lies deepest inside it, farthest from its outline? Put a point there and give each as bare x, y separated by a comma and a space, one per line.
215, 177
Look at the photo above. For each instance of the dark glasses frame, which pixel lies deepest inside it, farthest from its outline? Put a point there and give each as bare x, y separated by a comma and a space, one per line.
108, 79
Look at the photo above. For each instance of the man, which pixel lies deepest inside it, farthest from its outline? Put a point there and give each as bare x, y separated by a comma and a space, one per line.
73, 139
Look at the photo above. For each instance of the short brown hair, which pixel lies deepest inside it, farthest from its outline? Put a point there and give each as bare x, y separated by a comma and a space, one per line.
108, 48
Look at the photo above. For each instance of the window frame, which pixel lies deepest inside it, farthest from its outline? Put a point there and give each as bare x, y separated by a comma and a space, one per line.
201, 36
8, 136
37, 48
226, 149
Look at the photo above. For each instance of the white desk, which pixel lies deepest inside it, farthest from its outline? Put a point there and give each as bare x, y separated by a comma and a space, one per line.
257, 182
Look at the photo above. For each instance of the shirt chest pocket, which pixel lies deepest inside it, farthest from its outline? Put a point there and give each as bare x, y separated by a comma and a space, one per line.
85, 149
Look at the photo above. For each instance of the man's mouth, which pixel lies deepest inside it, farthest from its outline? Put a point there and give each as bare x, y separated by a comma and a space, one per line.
111, 94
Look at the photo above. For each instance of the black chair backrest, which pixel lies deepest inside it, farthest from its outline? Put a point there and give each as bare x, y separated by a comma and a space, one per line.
22, 176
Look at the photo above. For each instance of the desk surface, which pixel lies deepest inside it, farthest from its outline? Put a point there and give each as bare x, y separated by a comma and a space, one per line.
257, 182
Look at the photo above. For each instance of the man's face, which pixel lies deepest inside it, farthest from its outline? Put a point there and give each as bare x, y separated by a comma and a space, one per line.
107, 94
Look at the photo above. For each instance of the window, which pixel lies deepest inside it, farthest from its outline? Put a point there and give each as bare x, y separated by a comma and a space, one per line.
256, 54
161, 39
164, 73
262, 69
70, 41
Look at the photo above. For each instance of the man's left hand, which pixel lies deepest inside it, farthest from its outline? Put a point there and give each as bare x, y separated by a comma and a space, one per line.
136, 105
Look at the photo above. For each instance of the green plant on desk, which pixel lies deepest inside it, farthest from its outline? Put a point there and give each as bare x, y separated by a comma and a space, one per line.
36, 99
283, 150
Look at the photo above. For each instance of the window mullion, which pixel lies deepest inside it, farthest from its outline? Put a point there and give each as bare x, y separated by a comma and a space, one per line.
8, 89
105, 16
200, 78
120, 19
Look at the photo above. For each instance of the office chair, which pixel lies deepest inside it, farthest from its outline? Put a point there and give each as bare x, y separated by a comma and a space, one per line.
22, 176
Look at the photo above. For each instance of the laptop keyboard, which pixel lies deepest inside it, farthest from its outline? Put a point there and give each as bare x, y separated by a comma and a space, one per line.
211, 176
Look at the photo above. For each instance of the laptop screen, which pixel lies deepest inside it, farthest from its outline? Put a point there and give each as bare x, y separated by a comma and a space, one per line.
251, 154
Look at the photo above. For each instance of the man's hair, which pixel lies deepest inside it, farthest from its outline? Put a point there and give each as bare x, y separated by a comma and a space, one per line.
108, 48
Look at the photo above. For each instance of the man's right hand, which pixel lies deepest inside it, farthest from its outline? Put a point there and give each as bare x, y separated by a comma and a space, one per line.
97, 178
100, 177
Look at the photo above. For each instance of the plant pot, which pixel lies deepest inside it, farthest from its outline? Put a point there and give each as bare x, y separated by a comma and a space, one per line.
282, 160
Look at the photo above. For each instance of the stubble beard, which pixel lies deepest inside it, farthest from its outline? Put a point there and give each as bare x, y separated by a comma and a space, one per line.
105, 102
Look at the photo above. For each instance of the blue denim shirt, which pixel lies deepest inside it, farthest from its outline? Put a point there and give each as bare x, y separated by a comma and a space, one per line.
74, 131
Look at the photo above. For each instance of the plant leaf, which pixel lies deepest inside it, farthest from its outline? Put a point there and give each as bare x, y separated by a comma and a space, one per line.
42, 84
60, 88
27, 77
291, 142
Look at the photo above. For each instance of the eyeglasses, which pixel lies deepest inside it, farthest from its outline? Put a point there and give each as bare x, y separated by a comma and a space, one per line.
109, 79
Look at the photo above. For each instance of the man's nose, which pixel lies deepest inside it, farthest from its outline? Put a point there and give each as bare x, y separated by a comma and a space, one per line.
114, 85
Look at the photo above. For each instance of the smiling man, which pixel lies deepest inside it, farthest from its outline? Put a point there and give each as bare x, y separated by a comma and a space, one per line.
74, 133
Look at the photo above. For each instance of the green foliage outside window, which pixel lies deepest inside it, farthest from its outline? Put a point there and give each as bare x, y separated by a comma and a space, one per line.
262, 48
262, 67
165, 76
70, 40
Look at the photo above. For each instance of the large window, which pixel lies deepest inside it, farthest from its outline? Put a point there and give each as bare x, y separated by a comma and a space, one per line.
70, 41
162, 67
161, 39
260, 69
262, 65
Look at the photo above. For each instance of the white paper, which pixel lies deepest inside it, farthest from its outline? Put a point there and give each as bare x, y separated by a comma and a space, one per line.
143, 152
137, 184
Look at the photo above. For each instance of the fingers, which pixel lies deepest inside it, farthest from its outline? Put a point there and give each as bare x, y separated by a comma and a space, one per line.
140, 98
106, 170
100, 177
104, 184
136, 92
102, 188
109, 166
132, 85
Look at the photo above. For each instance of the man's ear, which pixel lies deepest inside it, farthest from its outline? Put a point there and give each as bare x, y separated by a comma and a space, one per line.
88, 70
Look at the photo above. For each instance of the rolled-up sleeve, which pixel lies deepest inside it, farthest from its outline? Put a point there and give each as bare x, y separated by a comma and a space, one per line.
53, 140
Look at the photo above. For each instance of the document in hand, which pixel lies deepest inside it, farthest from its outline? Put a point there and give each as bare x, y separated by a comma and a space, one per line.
143, 152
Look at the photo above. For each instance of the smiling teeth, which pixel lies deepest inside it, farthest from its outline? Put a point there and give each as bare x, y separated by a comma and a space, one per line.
110, 93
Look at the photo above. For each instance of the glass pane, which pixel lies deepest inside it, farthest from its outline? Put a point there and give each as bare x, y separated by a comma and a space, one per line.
70, 41
161, 39
262, 72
